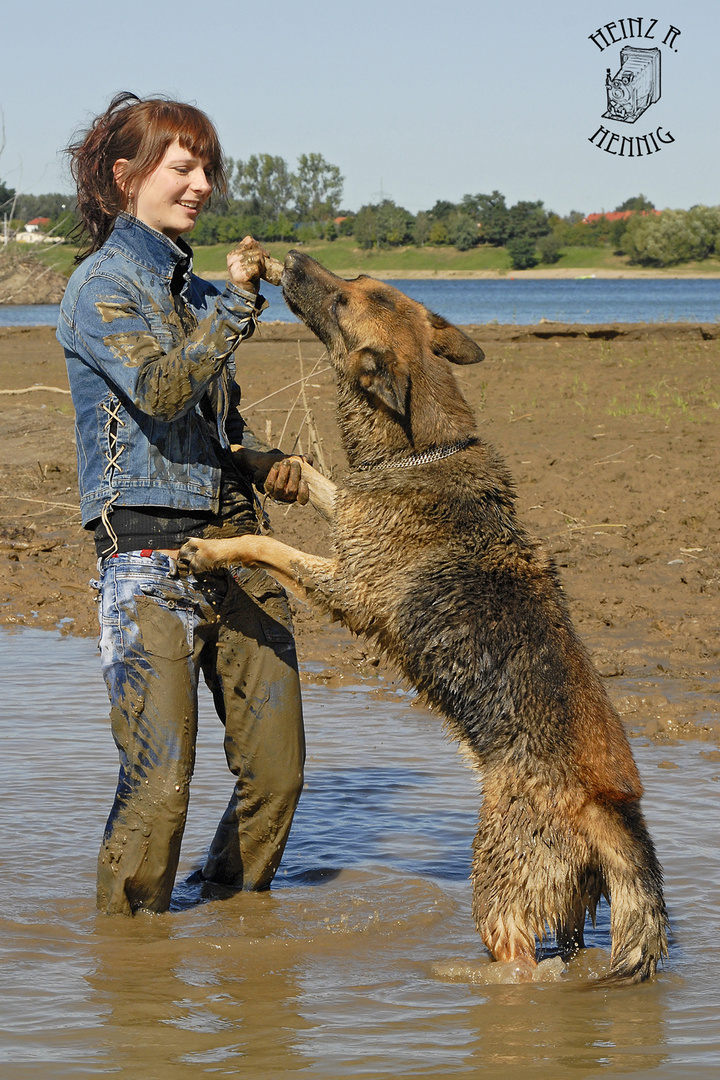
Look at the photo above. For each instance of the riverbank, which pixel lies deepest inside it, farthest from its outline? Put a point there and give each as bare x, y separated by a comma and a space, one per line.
25, 279
610, 433
538, 274
46, 284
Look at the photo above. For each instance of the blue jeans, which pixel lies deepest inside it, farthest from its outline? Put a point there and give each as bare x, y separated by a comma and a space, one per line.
157, 633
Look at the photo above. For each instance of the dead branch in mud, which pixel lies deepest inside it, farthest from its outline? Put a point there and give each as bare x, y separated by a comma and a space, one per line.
30, 389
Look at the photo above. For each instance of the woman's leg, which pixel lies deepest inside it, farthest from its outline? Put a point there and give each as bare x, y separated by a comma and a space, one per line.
146, 645
253, 676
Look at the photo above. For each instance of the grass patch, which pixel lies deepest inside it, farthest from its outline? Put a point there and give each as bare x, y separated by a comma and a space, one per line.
59, 257
664, 401
344, 255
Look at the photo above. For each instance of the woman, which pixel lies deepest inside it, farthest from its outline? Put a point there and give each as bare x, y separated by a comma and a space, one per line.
149, 349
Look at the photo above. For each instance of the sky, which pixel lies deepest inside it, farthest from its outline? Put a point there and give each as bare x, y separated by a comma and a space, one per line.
414, 101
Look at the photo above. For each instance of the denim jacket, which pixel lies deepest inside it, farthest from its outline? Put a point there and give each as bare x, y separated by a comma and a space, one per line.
151, 374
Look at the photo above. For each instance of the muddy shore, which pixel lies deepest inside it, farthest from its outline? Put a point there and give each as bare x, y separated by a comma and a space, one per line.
25, 280
609, 431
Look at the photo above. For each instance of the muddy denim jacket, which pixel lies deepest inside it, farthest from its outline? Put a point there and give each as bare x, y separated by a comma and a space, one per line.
152, 379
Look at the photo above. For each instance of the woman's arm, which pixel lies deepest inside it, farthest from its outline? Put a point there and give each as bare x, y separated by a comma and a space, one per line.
110, 331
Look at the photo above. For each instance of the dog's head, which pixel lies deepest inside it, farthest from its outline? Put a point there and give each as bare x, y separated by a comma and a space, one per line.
392, 356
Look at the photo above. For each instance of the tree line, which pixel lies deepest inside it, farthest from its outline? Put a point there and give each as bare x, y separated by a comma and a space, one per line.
267, 199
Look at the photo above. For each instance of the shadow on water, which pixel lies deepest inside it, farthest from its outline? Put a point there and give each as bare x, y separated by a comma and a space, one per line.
362, 960
353, 817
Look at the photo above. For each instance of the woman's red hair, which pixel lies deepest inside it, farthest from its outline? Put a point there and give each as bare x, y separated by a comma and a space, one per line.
139, 131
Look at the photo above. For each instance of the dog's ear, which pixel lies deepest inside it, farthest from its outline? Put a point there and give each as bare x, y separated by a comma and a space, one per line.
452, 343
382, 377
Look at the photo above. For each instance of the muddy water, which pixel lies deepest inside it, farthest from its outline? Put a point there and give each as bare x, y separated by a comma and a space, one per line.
362, 961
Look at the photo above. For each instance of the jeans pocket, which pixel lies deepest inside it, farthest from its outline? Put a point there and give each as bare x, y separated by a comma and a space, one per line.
166, 625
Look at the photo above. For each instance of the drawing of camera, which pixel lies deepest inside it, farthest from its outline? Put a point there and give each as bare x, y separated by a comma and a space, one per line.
635, 87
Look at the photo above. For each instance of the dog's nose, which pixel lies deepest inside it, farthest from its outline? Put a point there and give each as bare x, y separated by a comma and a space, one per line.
299, 265
293, 259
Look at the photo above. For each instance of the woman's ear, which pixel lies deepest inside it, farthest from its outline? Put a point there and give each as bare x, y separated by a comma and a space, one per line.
119, 170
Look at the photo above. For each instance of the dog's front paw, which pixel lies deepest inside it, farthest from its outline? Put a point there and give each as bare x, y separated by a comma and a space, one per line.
199, 557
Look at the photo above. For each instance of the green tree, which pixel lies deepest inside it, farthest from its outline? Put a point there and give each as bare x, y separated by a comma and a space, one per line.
463, 231
421, 228
707, 220
6, 196
521, 250
382, 225
438, 233
672, 237
347, 226
393, 224
206, 229
318, 188
548, 248
528, 219
442, 210
284, 227
365, 227
638, 202
491, 213
263, 185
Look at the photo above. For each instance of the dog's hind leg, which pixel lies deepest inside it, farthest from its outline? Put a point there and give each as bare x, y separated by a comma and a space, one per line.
532, 874
502, 889
581, 901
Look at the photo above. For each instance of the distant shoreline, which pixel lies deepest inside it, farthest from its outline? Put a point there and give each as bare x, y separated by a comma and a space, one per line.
547, 274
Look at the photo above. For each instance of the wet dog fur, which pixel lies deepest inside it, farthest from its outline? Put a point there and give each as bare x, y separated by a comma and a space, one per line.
431, 561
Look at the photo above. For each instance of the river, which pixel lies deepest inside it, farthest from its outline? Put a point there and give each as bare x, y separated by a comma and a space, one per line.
511, 300
362, 961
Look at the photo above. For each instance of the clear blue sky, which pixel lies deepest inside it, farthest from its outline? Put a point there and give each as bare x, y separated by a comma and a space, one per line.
419, 100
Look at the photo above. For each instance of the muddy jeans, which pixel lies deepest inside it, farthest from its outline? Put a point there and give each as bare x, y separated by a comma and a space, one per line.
157, 633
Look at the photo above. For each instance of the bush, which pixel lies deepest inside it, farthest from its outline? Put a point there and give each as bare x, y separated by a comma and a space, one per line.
673, 237
548, 248
438, 233
421, 228
463, 232
382, 225
522, 253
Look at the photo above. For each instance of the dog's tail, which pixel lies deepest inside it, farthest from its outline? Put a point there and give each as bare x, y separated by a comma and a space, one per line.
634, 881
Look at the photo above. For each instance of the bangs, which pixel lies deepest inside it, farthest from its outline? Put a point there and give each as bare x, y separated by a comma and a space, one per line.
136, 134
166, 121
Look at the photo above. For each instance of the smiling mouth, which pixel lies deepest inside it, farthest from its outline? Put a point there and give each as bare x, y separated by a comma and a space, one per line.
190, 206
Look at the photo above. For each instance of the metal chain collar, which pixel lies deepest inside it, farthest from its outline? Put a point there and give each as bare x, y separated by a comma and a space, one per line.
417, 459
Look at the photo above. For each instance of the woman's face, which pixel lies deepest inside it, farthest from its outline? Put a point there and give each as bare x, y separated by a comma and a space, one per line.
172, 196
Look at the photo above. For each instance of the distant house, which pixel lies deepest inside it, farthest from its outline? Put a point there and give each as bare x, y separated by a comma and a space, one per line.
616, 215
33, 234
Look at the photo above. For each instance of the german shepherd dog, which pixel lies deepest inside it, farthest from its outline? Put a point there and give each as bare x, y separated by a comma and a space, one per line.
431, 562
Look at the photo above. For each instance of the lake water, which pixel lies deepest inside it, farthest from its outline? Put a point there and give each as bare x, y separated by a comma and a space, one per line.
362, 961
508, 300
